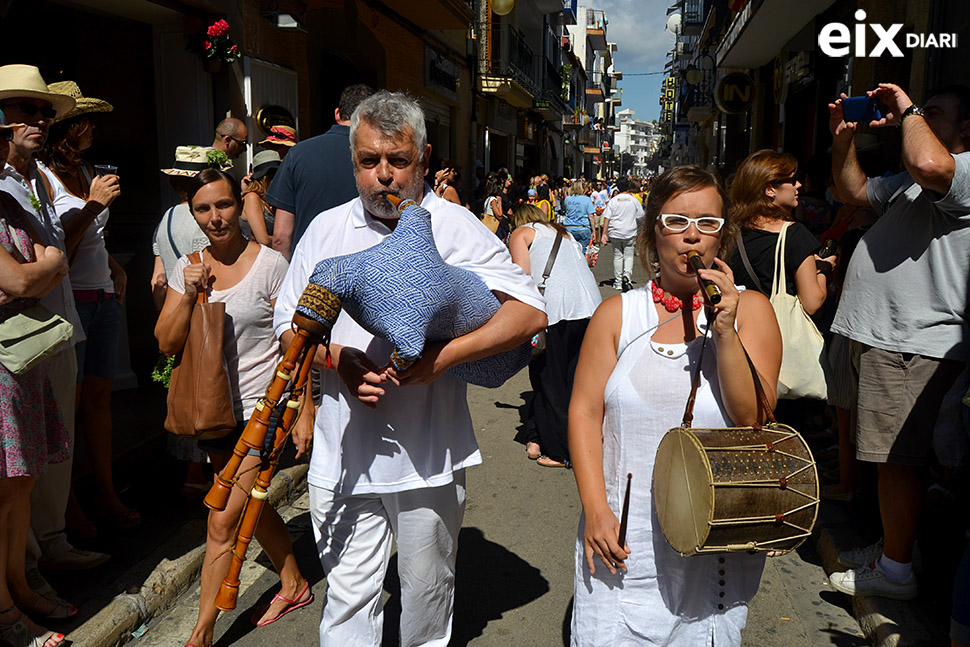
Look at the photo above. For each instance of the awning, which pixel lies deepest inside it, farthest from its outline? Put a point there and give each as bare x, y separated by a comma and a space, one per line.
762, 28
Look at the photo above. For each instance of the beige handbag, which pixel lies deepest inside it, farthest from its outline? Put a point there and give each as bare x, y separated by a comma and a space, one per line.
489, 218
803, 348
801, 374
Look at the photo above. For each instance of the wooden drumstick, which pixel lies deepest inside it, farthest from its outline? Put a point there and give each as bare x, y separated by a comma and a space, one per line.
626, 512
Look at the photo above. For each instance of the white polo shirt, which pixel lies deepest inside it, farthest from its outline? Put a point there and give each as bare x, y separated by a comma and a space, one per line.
418, 435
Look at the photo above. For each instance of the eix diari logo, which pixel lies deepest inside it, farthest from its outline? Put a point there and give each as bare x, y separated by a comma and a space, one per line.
835, 38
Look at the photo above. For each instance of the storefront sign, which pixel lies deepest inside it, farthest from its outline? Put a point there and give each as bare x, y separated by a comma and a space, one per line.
734, 93
502, 116
440, 74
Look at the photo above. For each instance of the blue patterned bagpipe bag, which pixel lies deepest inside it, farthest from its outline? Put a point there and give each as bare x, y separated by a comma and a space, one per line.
402, 290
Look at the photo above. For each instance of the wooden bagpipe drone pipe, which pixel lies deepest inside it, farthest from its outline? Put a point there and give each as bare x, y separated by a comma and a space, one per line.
400, 290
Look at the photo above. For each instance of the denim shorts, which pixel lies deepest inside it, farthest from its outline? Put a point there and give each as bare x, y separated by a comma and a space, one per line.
97, 356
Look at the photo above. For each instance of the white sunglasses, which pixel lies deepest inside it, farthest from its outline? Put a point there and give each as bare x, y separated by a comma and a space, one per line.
705, 224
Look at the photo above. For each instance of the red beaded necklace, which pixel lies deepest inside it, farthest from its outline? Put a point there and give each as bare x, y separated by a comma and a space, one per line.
670, 302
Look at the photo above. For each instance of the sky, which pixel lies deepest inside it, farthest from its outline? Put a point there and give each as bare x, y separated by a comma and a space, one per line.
638, 27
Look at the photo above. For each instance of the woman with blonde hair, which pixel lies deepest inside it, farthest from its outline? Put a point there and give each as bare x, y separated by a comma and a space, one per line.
763, 195
579, 214
571, 297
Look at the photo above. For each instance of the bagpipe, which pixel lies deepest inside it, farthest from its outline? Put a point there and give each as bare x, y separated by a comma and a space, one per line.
400, 290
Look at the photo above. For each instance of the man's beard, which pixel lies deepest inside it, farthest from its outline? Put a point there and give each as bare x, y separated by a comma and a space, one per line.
377, 204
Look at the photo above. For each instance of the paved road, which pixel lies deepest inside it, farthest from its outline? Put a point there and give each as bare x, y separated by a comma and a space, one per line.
515, 562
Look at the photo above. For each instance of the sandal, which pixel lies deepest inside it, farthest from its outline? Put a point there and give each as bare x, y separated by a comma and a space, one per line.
19, 634
62, 609
545, 461
533, 450
291, 605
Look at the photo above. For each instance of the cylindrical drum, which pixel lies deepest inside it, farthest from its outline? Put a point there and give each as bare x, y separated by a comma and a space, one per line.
737, 489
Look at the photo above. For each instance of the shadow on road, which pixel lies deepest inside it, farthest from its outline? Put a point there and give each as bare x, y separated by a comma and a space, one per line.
491, 581
526, 399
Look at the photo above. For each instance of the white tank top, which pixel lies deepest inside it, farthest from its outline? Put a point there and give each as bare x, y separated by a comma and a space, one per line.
664, 599
89, 267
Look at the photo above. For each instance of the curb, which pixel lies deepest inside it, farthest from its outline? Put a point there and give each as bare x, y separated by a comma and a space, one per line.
885, 622
114, 624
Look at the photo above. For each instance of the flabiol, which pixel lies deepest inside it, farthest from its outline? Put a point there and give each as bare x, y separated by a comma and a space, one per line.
837, 39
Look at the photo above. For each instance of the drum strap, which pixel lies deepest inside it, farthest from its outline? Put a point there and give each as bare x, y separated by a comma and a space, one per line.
695, 382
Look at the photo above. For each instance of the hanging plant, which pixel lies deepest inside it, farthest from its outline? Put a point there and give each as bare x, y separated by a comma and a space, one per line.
214, 44
566, 73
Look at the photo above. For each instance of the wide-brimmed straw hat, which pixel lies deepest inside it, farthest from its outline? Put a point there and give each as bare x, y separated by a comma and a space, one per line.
25, 82
82, 104
265, 162
280, 136
191, 160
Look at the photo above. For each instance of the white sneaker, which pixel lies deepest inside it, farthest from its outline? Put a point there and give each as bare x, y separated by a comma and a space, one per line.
857, 557
870, 580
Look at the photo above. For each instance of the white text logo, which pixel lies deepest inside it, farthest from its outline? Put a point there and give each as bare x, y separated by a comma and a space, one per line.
835, 38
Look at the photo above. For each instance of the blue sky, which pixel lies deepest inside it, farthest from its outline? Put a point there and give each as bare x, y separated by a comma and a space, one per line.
638, 27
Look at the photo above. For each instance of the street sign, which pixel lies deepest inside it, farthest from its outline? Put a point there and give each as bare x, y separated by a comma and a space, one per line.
734, 93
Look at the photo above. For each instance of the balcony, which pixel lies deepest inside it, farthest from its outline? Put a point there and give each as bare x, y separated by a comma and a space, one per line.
693, 18
550, 101
506, 65
548, 6
569, 12
437, 14
594, 87
574, 121
596, 29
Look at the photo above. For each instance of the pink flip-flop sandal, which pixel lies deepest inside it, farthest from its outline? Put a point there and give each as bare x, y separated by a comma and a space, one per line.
291, 605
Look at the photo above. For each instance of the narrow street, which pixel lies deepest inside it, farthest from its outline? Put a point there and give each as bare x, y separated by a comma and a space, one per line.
515, 561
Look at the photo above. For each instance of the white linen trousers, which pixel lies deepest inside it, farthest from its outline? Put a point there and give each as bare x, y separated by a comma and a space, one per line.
354, 536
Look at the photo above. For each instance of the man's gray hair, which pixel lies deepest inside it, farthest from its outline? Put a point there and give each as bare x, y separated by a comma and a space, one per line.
393, 114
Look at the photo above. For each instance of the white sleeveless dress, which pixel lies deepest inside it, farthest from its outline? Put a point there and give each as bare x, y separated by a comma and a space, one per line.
663, 599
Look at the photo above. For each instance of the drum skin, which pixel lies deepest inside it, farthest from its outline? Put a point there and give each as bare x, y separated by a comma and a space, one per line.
735, 489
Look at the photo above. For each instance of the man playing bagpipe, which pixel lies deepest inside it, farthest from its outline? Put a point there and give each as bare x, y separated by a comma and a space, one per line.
390, 445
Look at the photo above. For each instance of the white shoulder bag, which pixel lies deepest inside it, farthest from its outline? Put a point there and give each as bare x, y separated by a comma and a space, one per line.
801, 374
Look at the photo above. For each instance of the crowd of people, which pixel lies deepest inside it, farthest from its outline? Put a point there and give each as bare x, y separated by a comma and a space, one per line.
388, 447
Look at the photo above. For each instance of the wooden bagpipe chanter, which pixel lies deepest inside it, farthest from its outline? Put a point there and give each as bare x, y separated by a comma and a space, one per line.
400, 290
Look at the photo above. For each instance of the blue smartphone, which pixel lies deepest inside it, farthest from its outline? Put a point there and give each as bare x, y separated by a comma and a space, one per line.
863, 109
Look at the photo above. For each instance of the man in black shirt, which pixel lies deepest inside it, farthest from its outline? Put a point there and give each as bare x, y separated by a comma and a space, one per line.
316, 175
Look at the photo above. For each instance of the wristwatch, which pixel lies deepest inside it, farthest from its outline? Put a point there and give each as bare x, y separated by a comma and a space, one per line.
912, 110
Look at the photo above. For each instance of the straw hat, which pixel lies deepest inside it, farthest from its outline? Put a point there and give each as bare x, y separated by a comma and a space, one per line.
264, 162
82, 103
25, 82
190, 160
280, 135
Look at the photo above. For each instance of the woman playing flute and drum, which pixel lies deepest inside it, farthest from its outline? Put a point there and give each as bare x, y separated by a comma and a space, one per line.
633, 380
247, 277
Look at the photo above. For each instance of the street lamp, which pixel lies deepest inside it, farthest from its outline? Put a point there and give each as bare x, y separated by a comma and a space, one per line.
502, 7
